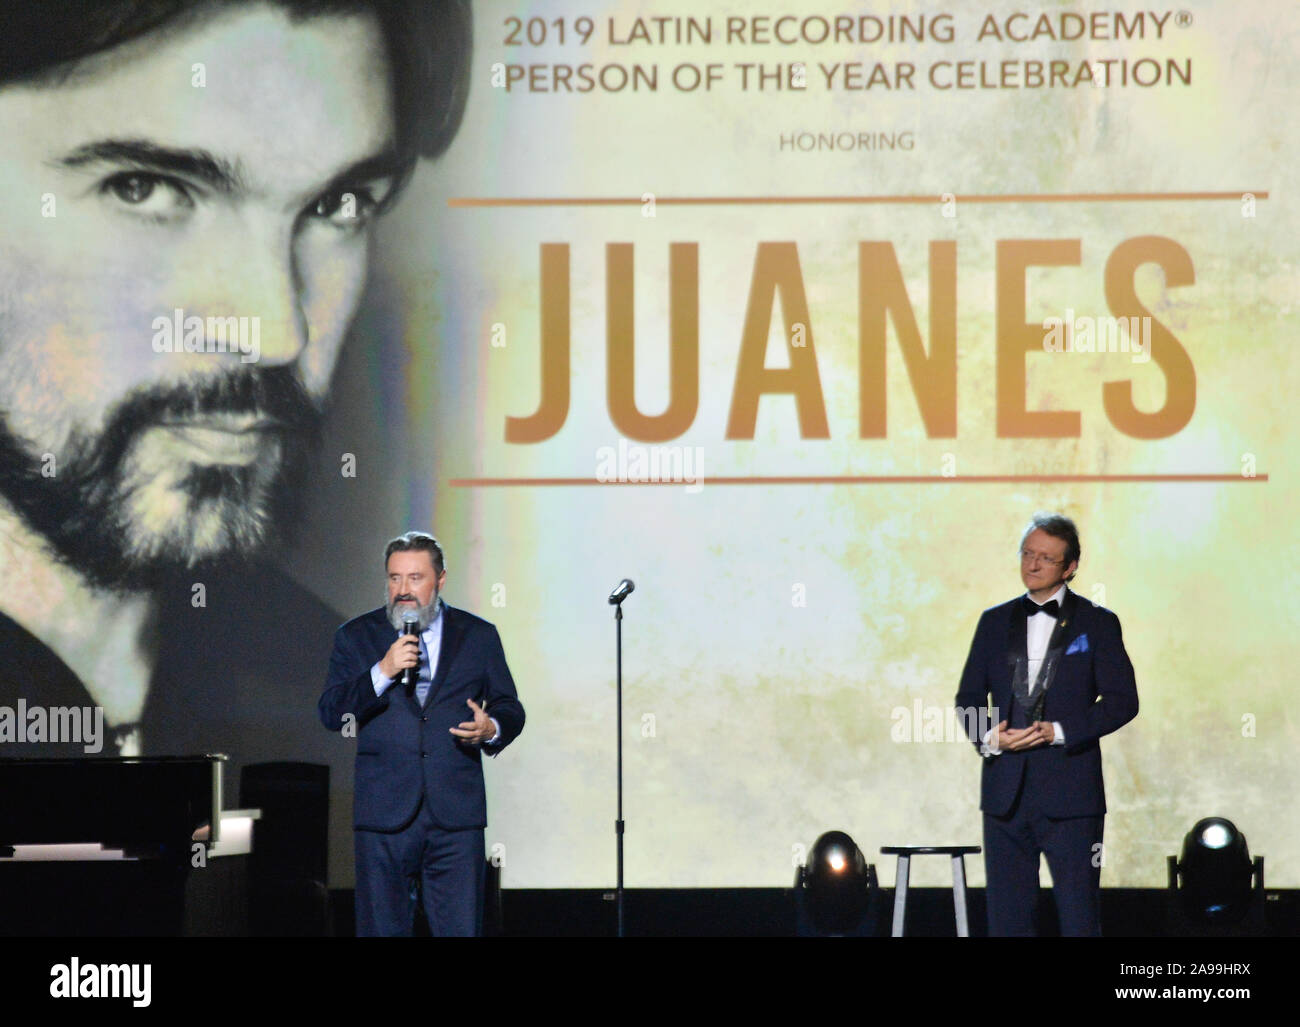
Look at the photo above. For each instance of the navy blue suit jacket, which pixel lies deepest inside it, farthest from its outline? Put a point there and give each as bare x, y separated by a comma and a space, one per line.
405, 752
1093, 694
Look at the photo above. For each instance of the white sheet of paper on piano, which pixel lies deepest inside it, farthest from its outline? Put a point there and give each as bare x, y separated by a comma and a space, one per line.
236, 840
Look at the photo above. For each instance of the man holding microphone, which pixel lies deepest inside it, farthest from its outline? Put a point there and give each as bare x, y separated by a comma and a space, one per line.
420, 806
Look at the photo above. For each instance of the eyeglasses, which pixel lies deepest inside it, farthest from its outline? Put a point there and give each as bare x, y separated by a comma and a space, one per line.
1031, 558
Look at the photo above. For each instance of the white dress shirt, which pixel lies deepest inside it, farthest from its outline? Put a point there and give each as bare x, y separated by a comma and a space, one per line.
1038, 632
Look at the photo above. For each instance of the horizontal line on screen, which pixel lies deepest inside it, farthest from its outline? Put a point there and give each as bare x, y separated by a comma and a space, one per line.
924, 199
882, 479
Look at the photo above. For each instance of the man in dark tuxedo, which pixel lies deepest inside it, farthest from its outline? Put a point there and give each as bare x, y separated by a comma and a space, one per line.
420, 807
1059, 677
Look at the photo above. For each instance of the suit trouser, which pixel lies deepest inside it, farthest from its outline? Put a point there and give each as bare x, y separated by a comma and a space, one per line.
1012, 845
446, 866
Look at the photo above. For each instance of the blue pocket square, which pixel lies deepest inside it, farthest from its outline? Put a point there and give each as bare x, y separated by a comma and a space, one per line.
1079, 645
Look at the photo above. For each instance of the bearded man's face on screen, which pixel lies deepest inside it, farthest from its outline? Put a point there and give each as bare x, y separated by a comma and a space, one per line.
184, 235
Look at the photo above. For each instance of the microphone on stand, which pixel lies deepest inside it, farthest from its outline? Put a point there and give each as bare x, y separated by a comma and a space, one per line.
410, 626
621, 591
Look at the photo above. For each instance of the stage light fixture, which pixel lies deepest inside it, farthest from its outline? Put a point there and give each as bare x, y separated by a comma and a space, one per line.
837, 883
1215, 873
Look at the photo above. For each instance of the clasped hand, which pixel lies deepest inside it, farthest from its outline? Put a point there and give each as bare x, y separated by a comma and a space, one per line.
1040, 732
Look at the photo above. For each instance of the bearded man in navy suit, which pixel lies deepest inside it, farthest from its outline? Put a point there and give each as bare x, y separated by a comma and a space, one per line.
420, 807
1055, 667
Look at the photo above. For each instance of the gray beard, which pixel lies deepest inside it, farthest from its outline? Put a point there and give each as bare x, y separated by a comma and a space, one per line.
426, 614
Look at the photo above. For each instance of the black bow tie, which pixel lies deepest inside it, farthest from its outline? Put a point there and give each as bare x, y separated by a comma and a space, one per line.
1051, 607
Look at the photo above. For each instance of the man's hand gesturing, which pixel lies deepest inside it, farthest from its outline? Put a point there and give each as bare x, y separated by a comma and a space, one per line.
477, 731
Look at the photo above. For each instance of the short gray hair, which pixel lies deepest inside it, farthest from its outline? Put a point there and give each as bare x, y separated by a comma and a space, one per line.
416, 540
1058, 526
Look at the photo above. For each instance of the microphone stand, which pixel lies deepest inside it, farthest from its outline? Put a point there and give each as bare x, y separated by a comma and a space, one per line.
621, 592
618, 824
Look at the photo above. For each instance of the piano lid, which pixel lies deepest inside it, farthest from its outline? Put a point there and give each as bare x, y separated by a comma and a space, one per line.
127, 802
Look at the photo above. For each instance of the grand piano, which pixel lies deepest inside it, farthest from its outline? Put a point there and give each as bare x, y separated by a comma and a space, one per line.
113, 846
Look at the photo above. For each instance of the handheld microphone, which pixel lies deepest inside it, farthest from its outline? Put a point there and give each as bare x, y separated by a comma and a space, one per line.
621, 591
410, 626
